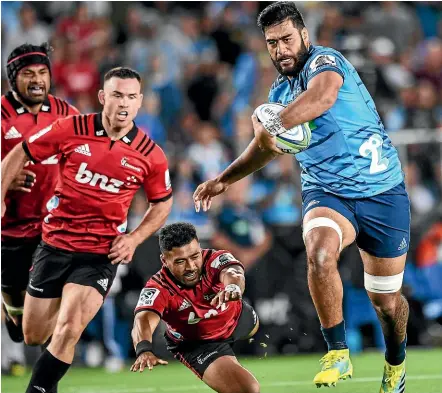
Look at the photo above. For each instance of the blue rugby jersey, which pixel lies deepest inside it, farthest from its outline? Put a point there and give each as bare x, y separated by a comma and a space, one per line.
350, 153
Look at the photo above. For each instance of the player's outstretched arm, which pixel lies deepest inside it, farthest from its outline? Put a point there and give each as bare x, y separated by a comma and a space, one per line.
12, 164
145, 324
234, 285
124, 246
251, 160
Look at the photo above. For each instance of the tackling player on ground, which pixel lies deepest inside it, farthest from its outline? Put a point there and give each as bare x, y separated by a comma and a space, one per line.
352, 187
198, 294
26, 108
105, 159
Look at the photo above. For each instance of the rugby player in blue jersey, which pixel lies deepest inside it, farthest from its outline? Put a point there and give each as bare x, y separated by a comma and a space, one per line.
352, 187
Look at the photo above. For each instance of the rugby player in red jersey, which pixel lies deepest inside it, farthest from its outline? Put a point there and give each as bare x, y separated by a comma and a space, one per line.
26, 108
104, 160
198, 293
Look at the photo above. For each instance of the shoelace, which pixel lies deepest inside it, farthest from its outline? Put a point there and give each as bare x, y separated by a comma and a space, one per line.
393, 377
329, 359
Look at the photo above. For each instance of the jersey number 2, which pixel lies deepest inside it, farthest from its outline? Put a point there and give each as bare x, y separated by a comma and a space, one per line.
374, 147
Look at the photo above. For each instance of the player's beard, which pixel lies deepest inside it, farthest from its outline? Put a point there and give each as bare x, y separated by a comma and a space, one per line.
299, 61
31, 101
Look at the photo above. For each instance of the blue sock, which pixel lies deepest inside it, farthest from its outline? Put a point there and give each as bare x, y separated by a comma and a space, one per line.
395, 353
335, 336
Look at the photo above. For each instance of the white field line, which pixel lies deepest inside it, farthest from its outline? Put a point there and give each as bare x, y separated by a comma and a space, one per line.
201, 386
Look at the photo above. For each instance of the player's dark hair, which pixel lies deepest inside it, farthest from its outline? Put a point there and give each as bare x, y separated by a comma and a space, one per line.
25, 55
278, 12
176, 235
122, 73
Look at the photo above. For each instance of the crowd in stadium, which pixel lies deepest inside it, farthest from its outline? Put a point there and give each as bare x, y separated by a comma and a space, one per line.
205, 68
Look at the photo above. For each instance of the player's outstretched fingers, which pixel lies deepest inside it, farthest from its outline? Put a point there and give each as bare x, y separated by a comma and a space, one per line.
163, 362
197, 197
215, 300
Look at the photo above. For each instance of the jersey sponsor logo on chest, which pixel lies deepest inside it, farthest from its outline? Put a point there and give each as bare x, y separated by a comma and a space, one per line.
85, 176
13, 133
125, 163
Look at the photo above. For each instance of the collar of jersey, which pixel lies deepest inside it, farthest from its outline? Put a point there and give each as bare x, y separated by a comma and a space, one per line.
20, 109
101, 132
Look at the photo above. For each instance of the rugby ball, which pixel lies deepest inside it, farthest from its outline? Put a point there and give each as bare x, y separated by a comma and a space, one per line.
294, 140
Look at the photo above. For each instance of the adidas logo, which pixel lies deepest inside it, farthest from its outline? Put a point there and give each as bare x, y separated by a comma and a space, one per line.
184, 305
103, 283
83, 149
402, 245
311, 203
12, 134
43, 390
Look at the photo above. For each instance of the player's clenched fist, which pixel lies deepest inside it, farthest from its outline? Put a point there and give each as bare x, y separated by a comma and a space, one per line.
263, 137
123, 249
230, 293
147, 359
206, 191
24, 181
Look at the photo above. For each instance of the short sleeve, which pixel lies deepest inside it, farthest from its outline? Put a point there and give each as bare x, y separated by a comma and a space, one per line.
48, 141
73, 110
325, 61
152, 298
219, 261
157, 185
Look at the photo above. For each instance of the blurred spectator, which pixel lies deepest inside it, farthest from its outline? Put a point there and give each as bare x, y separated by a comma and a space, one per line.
421, 198
394, 20
418, 108
239, 229
77, 75
79, 28
29, 30
207, 154
431, 67
148, 118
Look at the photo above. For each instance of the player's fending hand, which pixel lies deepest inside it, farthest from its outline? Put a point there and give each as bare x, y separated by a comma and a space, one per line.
147, 359
123, 249
230, 293
263, 137
206, 191
24, 181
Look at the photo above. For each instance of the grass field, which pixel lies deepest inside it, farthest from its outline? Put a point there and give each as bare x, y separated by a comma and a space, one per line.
276, 374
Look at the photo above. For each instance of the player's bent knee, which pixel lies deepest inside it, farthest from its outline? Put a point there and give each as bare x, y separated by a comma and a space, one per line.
253, 388
34, 338
320, 222
321, 259
67, 333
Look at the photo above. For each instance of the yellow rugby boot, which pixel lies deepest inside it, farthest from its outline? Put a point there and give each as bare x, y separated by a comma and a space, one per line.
336, 365
394, 378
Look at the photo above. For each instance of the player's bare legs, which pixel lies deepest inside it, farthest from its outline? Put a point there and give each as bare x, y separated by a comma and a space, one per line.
226, 375
326, 233
322, 245
392, 310
39, 318
79, 305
